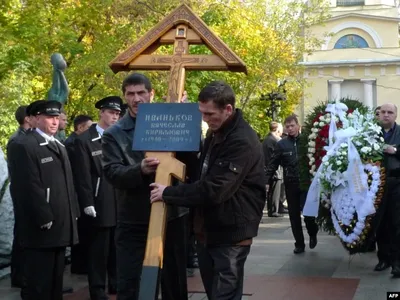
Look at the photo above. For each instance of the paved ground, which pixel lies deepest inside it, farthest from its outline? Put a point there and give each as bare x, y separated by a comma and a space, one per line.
274, 272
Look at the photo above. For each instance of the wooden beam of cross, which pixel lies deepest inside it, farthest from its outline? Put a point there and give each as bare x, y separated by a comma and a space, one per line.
153, 260
181, 28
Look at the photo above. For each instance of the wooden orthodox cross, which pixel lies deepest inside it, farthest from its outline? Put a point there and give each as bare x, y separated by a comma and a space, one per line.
180, 28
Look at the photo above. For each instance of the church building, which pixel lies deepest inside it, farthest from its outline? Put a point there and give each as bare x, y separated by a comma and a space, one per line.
359, 57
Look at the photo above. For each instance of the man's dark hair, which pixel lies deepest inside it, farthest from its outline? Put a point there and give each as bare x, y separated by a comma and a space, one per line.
291, 118
80, 119
273, 126
377, 108
219, 92
20, 114
136, 79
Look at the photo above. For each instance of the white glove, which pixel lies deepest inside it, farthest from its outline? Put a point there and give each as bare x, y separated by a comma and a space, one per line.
46, 226
90, 211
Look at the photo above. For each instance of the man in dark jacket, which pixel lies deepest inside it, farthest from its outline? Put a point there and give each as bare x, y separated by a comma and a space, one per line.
269, 144
230, 193
286, 155
388, 233
45, 203
23, 122
17, 251
97, 200
131, 174
18, 279
79, 255
81, 124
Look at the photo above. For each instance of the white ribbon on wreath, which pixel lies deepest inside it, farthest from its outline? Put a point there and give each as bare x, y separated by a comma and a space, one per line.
311, 206
336, 109
343, 207
354, 179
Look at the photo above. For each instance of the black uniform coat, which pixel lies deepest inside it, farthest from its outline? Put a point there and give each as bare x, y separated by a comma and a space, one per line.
70, 140
44, 192
20, 132
92, 187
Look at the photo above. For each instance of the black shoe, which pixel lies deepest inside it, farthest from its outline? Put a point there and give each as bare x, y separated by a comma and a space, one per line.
313, 242
67, 260
79, 272
396, 270
371, 247
298, 250
283, 211
193, 263
67, 290
189, 272
381, 266
16, 284
275, 215
112, 290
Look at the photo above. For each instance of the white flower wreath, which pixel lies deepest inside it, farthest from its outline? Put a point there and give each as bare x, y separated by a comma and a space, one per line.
347, 180
343, 210
317, 126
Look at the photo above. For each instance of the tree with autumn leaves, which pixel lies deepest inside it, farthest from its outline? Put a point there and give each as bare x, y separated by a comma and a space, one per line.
270, 36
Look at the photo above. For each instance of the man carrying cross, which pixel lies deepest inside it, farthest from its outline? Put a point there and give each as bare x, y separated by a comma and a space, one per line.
131, 174
230, 195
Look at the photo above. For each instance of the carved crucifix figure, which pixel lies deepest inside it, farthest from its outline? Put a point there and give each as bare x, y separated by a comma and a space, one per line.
178, 61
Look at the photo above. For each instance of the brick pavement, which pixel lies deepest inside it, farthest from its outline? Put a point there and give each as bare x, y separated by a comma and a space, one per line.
274, 272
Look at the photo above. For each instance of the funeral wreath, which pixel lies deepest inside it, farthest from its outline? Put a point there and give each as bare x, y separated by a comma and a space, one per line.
342, 171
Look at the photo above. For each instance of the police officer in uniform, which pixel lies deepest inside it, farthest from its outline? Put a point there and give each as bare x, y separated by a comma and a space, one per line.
97, 201
45, 203
17, 252
17, 255
78, 252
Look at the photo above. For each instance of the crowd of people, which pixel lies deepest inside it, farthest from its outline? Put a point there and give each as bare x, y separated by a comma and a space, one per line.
93, 192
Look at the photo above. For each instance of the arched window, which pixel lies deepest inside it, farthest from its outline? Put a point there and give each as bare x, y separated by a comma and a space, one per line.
351, 41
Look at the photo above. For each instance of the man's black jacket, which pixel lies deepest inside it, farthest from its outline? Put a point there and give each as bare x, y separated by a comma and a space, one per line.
43, 191
269, 144
122, 167
232, 190
392, 161
91, 186
286, 154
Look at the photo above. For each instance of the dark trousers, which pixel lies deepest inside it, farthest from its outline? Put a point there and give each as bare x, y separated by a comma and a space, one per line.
388, 233
130, 245
112, 263
191, 242
44, 273
17, 262
79, 252
296, 200
222, 270
100, 262
273, 196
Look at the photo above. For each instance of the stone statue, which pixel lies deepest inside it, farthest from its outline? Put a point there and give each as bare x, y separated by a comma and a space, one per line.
59, 89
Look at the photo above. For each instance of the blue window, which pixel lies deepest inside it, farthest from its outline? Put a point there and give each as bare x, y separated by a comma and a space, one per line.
351, 41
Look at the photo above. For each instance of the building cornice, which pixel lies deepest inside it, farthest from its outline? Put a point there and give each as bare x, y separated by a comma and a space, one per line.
364, 16
337, 63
